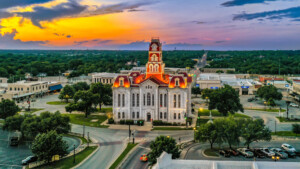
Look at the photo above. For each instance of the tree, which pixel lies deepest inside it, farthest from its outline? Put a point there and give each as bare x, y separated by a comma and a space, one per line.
83, 101
163, 143
8, 108
196, 91
102, 93
206, 93
46, 145
207, 132
13, 123
269, 94
296, 128
226, 100
67, 93
254, 130
80, 86
33, 125
228, 130
219, 71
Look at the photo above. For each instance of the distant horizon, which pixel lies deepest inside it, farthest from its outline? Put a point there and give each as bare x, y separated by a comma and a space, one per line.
130, 24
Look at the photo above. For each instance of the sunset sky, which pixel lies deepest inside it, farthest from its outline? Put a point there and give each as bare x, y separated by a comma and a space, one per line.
130, 24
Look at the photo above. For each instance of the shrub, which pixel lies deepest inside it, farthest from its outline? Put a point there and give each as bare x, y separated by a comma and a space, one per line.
141, 122
122, 121
129, 122
111, 121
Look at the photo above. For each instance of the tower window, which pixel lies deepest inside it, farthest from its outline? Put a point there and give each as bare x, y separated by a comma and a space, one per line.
179, 101
133, 100
123, 100
138, 100
148, 99
144, 100
119, 100
176, 82
174, 101
121, 81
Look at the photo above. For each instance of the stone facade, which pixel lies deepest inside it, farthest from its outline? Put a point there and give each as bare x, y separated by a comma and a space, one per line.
153, 95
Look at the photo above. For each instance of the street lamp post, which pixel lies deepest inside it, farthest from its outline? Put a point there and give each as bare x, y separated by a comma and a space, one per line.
74, 154
129, 131
132, 138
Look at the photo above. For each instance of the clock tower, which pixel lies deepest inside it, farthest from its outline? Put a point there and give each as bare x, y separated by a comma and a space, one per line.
155, 66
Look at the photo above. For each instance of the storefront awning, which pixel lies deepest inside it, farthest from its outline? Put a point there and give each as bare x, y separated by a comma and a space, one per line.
55, 87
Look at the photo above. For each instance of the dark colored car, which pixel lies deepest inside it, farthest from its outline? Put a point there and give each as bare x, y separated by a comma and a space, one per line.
234, 152
258, 153
250, 99
14, 141
29, 159
291, 153
225, 153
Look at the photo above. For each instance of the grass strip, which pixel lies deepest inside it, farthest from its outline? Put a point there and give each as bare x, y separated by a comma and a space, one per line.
211, 152
91, 120
67, 163
283, 119
57, 103
122, 156
171, 128
285, 133
83, 140
267, 110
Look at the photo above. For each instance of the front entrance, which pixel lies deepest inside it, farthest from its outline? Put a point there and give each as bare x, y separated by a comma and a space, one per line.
148, 117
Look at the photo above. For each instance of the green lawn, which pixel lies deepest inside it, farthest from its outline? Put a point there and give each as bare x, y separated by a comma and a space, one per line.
267, 110
81, 120
240, 115
211, 152
205, 112
283, 119
105, 110
172, 128
57, 103
68, 162
32, 110
201, 121
122, 156
285, 133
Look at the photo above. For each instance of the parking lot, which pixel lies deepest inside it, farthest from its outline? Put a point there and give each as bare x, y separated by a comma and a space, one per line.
196, 152
11, 157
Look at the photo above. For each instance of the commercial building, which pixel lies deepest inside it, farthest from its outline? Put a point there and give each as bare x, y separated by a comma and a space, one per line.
216, 70
3, 80
240, 82
165, 161
153, 95
22, 90
105, 78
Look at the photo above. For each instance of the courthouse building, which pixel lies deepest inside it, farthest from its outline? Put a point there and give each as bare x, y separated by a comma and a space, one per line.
153, 95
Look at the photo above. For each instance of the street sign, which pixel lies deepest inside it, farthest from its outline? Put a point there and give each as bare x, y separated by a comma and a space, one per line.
197, 85
214, 87
244, 87
287, 85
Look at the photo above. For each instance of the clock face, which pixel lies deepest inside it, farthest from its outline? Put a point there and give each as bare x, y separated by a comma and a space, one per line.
154, 47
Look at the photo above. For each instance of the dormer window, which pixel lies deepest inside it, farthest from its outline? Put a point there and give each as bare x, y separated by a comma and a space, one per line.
121, 81
177, 82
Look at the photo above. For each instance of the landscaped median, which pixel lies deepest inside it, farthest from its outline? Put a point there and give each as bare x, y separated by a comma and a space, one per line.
283, 119
216, 113
91, 120
129, 147
57, 103
68, 162
172, 128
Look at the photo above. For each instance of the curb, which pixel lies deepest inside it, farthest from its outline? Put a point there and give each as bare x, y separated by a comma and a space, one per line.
202, 152
78, 165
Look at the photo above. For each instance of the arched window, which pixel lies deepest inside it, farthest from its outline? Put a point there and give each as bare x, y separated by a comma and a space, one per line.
160, 100
174, 100
176, 82
174, 116
179, 101
133, 100
137, 115
165, 100
137, 100
151, 68
123, 115
160, 115
121, 82
119, 115
165, 115
179, 116
119, 100
156, 68
133, 115
152, 99
123, 100
148, 99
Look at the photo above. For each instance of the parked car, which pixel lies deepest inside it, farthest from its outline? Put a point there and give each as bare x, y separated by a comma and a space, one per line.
294, 105
250, 99
280, 153
288, 147
267, 152
290, 153
258, 153
29, 159
14, 141
234, 152
245, 152
225, 153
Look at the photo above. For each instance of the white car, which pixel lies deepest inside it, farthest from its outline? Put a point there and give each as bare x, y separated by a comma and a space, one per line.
267, 152
288, 147
245, 152
294, 105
